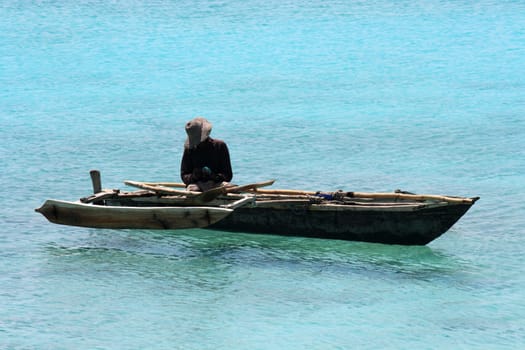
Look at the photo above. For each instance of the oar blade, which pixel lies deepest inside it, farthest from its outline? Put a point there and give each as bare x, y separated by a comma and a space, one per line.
249, 187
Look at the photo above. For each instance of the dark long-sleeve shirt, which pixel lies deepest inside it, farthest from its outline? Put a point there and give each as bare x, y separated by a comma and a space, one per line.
211, 153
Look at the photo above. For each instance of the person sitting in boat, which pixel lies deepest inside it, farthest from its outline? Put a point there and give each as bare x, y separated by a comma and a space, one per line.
206, 161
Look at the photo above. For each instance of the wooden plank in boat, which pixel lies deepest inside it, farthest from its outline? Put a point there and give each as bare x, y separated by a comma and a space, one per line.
161, 189
103, 194
400, 196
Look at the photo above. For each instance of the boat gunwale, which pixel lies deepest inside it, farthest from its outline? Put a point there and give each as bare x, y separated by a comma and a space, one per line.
289, 202
78, 203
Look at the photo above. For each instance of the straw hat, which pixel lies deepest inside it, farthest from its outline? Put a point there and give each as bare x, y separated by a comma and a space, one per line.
198, 130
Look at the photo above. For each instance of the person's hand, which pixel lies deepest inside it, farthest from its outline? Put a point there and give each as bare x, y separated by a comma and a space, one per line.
218, 178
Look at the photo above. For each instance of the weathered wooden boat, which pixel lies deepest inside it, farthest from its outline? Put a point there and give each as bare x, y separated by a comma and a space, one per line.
392, 218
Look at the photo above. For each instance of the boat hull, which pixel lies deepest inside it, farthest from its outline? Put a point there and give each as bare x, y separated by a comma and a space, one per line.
379, 218
122, 217
405, 225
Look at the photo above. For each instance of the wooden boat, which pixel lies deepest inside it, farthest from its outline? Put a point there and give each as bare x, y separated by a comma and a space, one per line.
392, 218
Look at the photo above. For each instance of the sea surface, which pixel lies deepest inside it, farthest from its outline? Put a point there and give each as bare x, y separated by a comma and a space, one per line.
424, 96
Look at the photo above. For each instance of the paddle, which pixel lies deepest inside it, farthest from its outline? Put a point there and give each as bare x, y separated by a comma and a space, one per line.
161, 189
197, 197
253, 186
233, 188
192, 196
213, 193
166, 184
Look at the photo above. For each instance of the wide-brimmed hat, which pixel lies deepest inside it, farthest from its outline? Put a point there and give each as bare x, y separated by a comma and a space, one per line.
198, 130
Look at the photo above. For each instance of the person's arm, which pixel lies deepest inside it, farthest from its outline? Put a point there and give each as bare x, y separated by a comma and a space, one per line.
186, 168
224, 172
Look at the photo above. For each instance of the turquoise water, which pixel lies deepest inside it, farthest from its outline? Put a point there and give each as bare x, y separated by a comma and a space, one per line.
426, 96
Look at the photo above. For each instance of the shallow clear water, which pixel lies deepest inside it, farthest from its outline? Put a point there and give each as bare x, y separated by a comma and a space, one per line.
426, 96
